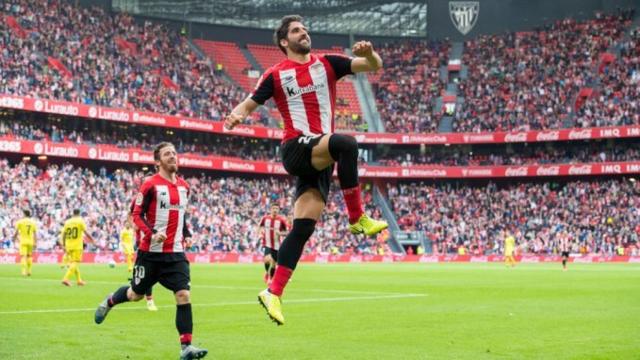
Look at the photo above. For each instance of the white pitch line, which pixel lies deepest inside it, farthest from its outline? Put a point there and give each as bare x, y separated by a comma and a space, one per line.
224, 287
292, 301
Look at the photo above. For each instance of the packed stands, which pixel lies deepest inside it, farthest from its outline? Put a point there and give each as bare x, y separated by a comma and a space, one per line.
223, 212
407, 88
530, 80
615, 102
45, 54
597, 215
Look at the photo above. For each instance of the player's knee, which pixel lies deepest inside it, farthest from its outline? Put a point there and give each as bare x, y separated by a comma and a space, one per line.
183, 297
342, 145
133, 296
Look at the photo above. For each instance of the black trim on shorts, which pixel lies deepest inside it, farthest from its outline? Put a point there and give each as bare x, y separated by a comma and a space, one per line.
270, 251
296, 159
171, 271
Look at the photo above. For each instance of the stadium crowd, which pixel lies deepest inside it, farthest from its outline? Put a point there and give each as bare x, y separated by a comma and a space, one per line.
616, 102
598, 216
407, 88
516, 81
45, 53
529, 80
223, 212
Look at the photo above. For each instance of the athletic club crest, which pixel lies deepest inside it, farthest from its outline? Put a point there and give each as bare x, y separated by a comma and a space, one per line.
464, 14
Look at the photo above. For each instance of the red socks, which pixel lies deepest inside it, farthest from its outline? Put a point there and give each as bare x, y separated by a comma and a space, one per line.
280, 280
185, 339
354, 203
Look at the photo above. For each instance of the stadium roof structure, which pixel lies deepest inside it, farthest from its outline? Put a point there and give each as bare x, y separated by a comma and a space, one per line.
378, 18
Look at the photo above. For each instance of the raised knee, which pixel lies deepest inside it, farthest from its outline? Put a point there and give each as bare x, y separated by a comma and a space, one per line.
183, 297
340, 144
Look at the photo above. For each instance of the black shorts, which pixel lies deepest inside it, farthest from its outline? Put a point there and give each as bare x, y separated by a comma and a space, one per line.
296, 159
271, 251
172, 273
565, 254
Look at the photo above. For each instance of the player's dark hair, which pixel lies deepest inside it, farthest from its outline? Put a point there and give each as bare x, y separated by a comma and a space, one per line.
158, 148
76, 212
282, 30
26, 212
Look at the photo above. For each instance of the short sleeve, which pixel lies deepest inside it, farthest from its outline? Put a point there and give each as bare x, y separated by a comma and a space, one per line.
264, 89
341, 65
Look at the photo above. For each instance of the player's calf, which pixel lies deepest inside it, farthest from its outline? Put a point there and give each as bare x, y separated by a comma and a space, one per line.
123, 294
344, 150
290, 252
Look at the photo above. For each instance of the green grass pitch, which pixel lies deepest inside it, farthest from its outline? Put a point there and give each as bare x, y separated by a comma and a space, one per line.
338, 311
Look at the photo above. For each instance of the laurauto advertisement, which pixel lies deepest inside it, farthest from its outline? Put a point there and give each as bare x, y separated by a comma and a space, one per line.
139, 156
178, 122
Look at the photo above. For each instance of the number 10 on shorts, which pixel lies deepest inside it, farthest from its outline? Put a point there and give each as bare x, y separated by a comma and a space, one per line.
138, 274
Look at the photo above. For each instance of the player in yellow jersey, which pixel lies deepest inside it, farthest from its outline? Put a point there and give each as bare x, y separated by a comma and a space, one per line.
65, 261
26, 229
509, 249
126, 244
73, 232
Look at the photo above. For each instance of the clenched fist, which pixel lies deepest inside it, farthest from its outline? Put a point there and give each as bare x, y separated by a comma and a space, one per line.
232, 120
158, 238
362, 49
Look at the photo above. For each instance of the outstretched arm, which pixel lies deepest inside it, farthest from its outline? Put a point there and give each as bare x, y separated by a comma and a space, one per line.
240, 113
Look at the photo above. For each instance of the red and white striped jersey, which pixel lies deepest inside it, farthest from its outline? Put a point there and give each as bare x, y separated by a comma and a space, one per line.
565, 242
136, 231
160, 207
305, 94
271, 224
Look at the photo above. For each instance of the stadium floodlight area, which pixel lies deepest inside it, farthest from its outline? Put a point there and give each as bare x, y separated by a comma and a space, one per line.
382, 18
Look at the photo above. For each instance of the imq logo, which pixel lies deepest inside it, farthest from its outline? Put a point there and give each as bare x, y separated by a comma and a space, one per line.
464, 15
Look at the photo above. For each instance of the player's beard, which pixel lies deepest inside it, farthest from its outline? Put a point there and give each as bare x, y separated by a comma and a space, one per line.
299, 48
169, 167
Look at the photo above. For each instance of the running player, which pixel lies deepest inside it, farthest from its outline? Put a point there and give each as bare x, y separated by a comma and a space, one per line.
126, 243
151, 305
73, 233
565, 247
270, 230
509, 249
26, 230
159, 213
304, 89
